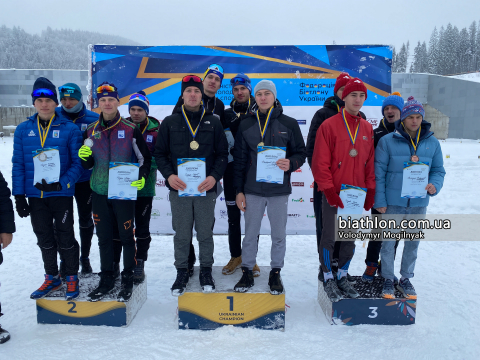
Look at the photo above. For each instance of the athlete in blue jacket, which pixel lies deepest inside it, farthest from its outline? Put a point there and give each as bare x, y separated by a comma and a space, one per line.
74, 109
412, 141
46, 167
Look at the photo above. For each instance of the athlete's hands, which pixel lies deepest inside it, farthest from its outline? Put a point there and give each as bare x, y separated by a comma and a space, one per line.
283, 164
207, 184
176, 183
139, 184
332, 198
431, 189
241, 202
84, 152
381, 210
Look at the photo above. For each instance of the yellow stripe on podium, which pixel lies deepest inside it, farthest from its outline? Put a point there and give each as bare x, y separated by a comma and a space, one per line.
80, 309
231, 308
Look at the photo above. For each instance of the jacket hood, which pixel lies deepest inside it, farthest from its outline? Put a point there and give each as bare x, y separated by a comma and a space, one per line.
332, 103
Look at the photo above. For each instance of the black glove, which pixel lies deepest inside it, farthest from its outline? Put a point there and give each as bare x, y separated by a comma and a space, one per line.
48, 187
21, 205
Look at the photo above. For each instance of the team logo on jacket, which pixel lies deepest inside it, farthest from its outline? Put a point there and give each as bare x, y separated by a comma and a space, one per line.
121, 134
84, 127
149, 138
365, 138
56, 134
31, 133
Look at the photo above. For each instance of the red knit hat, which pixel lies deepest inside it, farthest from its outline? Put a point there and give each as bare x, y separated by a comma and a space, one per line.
354, 84
342, 80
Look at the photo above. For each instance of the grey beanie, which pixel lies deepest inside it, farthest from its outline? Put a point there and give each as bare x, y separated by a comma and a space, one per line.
266, 85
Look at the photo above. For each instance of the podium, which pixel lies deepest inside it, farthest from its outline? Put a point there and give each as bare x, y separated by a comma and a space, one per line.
256, 308
54, 309
369, 308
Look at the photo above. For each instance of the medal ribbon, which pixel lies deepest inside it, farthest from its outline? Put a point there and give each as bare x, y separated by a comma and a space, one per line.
194, 133
93, 131
352, 138
233, 107
262, 132
44, 132
414, 144
146, 126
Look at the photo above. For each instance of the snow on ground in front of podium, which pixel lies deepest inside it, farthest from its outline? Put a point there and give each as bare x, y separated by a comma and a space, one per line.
447, 324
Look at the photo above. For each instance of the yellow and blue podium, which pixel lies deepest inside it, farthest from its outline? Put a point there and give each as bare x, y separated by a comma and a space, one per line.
369, 308
256, 308
54, 309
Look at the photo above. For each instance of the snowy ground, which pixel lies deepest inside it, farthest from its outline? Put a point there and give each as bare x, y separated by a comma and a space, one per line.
447, 323
470, 77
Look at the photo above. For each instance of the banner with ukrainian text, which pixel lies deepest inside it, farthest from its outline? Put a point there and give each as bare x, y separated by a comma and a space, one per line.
304, 77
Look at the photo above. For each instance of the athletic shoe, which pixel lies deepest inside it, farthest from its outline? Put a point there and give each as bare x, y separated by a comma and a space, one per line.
275, 282
86, 267
245, 282
180, 284
407, 289
4, 335
50, 284
346, 286
370, 271
234, 264
139, 272
206, 280
388, 291
126, 288
256, 271
105, 286
351, 279
72, 287
331, 289
116, 270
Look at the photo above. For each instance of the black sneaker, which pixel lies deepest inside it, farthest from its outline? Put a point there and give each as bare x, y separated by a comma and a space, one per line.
345, 285
86, 267
351, 279
4, 335
275, 282
105, 286
190, 269
206, 280
126, 288
116, 270
332, 291
245, 282
180, 284
139, 272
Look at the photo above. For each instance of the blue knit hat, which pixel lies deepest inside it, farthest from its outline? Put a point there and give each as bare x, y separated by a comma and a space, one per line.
43, 88
139, 99
241, 79
214, 69
70, 90
395, 100
412, 107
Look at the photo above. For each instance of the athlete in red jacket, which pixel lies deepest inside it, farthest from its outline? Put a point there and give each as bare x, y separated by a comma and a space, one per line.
343, 154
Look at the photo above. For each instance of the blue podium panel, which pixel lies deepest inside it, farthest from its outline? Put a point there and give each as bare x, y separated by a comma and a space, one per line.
369, 308
54, 309
256, 308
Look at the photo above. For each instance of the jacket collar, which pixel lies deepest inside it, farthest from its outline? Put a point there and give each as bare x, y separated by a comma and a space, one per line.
424, 132
57, 120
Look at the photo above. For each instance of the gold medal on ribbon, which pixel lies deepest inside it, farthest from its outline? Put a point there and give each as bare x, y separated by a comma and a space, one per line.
353, 152
194, 145
261, 143
88, 142
414, 158
262, 131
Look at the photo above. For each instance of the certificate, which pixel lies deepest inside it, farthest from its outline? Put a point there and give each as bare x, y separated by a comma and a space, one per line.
415, 180
46, 165
231, 143
267, 168
120, 177
353, 198
192, 171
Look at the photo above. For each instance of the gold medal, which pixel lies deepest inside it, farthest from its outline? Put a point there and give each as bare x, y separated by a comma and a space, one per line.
194, 145
261, 143
353, 152
88, 142
42, 156
238, 115
414, 158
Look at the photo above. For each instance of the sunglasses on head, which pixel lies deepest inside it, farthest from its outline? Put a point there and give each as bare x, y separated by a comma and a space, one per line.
138, 96
66, 89
106, 88
43, 92
238, 80
191, 77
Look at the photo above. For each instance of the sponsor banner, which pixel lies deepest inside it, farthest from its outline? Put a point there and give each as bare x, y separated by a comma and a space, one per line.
303, 75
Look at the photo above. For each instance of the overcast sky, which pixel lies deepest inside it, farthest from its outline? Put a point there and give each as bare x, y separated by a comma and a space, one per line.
247, 22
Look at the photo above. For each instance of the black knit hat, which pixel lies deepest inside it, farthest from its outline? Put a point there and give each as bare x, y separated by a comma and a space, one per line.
191, 80
43, 88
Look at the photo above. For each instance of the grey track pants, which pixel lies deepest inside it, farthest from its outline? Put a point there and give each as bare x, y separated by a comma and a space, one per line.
185, 212
277, 207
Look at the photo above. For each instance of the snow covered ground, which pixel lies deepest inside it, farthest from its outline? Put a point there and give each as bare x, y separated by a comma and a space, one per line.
470, 77
447, 323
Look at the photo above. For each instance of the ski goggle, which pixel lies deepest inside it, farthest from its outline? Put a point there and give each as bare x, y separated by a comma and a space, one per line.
138, 96
191, 77
106, 88
43, 92
216, 67
66, 89
238, 81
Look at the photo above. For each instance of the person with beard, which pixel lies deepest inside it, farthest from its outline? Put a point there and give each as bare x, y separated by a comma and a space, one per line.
331, 107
